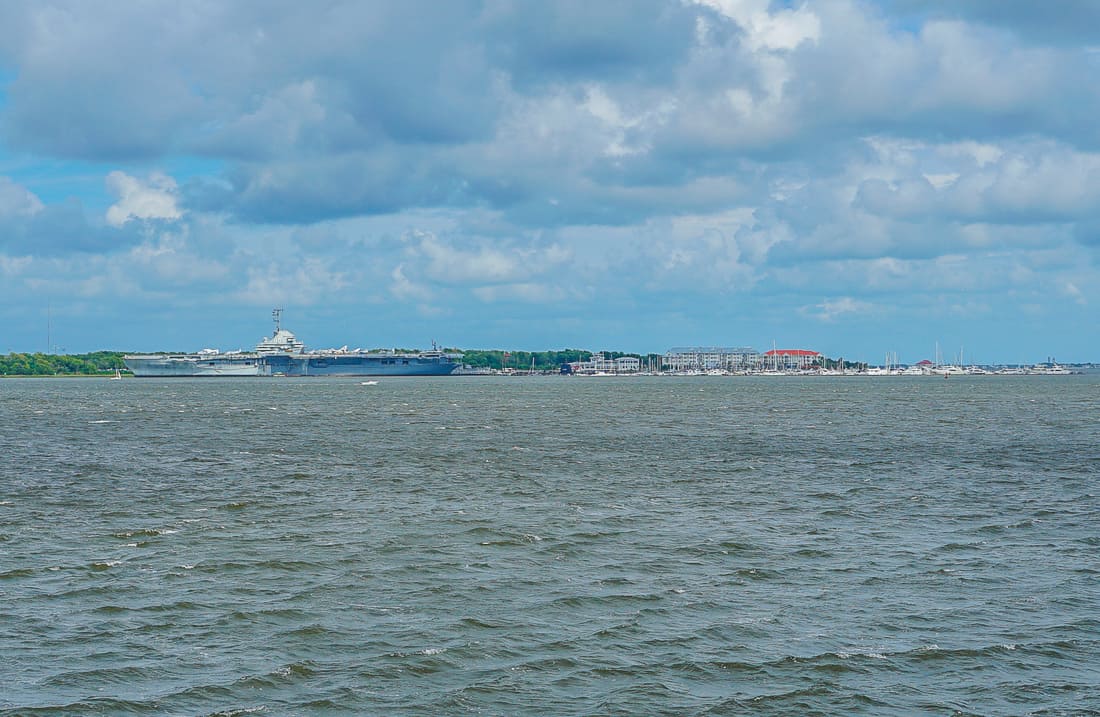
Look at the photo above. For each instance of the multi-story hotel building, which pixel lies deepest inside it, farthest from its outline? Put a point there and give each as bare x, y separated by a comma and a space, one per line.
706, 358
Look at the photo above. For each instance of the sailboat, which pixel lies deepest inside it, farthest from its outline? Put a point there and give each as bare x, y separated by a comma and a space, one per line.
774, 370
117, 376
939, 368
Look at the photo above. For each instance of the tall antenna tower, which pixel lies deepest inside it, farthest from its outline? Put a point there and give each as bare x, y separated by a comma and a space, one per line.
276, 315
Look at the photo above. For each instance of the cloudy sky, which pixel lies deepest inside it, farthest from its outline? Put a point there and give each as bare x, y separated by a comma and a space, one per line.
848, 176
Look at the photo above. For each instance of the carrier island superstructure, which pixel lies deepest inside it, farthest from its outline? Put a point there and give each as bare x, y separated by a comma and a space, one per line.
282, 354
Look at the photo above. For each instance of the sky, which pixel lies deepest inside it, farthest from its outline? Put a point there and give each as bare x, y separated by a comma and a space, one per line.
852, 177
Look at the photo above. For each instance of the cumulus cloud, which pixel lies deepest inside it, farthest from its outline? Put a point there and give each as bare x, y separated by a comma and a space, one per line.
1029, 181
16, 200
12, 267
784, 29
527, 292
830, 309
1074, 22
153, 198
720, 157
292, 116
403, 288
302, 283
171, 260
1070, 289
31, 227
442, 261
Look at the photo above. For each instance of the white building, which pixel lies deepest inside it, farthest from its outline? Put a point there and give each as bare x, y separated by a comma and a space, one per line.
706, 358
792, 359
599, 363
628, 364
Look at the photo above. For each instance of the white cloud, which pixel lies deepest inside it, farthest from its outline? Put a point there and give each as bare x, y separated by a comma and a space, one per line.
782, 30
442, 261
982, 154
831, 309
939, 181
14, 266
627, 134
770, 154
403, 288
1070, 289
969, 309
289, 116
1029, 180
174, 263
529, 292
305, 283
16, 200
154, 198
719, 252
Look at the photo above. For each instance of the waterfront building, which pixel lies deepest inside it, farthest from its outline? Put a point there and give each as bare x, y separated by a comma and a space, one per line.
792, 360
600, 363
708, 358
628, 364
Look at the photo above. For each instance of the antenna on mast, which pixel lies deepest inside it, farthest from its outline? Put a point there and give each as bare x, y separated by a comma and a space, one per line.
276, 315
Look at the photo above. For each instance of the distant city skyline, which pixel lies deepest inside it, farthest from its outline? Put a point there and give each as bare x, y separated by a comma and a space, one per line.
850, 177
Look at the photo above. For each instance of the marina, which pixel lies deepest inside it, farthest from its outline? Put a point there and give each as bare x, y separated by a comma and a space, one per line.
713, 361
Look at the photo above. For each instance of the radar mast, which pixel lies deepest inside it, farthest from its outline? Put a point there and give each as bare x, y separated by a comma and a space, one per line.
276, 315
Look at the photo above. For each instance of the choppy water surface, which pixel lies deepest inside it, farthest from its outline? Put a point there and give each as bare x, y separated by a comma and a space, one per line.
550, 546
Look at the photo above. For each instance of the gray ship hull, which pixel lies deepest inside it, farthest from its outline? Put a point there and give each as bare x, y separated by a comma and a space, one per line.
290, 365
359, 364
193, 365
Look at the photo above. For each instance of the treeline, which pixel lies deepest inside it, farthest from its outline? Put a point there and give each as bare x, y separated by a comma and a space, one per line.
521, 360
38, 364
544, 360
105, 362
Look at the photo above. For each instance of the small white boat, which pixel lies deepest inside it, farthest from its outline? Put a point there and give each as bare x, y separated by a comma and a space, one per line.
117, 376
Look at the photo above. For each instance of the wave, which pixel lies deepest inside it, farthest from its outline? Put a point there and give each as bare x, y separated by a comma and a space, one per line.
816, 700
91, 705
141, 532
17, 573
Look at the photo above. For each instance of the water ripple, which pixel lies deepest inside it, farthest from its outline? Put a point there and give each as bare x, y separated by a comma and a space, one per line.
550, 546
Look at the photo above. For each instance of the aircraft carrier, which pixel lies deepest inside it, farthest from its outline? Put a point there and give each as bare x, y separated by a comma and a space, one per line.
282, 354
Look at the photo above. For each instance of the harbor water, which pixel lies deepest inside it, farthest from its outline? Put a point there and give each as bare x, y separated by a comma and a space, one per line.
550, 546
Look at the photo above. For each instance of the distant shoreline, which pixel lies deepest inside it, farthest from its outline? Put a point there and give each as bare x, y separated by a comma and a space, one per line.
107, 364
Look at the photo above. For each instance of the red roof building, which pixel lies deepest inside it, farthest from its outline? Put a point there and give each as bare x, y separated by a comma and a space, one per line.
792, 358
